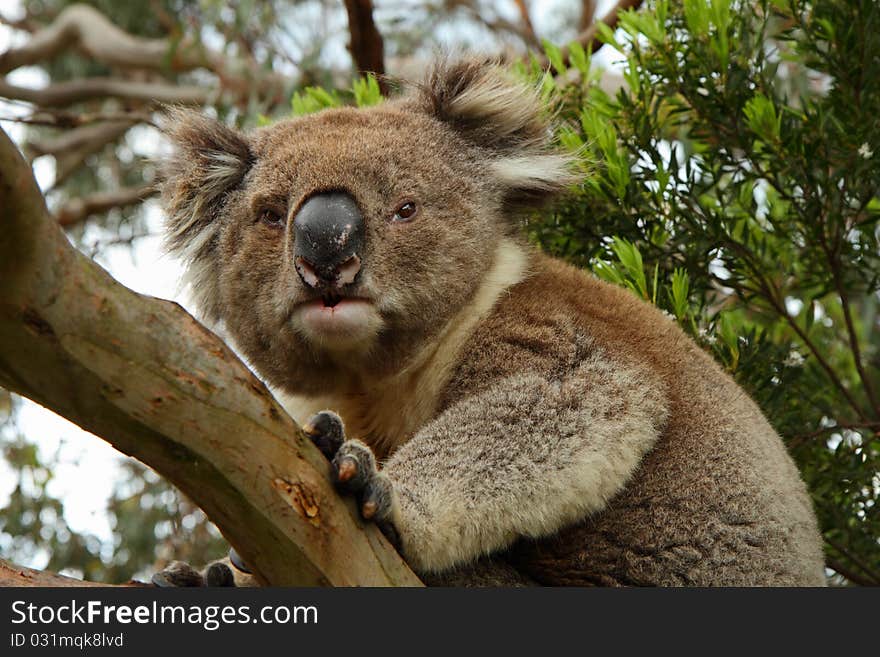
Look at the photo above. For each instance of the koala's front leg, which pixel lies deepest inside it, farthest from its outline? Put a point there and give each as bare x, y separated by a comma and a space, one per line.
524, 457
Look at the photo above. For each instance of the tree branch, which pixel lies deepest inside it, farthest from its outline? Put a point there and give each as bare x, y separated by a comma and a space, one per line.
869, 577
58, 118
853, 334
64, 94
88, 29
526, 19
79, 209
589, 37
70, 149
588, 14
770, 293
79, 137
847, 573
797, 441
23, 24
155, 384
13, 575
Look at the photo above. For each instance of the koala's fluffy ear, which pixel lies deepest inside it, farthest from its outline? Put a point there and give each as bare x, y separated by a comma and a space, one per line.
208, 160
506, 118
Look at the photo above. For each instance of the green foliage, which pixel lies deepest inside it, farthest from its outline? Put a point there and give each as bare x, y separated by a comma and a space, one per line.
737, 172
629, 271
679, 291
366, 91
313, 99
554, 55
363, 93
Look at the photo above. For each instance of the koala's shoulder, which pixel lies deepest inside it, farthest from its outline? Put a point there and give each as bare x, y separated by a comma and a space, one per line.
558, 316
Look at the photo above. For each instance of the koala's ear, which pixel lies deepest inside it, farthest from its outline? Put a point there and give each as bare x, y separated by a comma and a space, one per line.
208, 160
507, 119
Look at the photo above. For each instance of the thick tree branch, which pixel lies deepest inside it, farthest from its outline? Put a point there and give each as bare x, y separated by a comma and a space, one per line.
154, 383
366, 46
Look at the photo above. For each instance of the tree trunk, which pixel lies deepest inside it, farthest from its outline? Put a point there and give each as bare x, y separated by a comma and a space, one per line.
366, 45
146, 377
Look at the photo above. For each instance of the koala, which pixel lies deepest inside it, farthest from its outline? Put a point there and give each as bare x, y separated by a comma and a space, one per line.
507, 418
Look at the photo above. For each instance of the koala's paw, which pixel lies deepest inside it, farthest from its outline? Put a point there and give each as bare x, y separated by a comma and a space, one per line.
180, 574
353, 470
327, 432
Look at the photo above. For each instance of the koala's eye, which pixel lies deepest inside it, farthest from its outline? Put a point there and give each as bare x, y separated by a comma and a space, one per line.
405, 212
272, 218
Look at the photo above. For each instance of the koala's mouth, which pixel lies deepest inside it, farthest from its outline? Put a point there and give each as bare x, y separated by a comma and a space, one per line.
334, 319
331, 299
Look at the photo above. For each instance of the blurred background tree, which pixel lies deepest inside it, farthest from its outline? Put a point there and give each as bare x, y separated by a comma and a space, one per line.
729, 176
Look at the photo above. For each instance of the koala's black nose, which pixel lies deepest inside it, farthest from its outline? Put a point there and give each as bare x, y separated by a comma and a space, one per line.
328, 232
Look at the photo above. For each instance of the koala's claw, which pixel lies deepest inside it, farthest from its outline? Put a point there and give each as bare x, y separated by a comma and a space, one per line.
177, 574
346, 469
326, 431
236, 560
355, 472
353, 466
376, 499
181, 574
219, 574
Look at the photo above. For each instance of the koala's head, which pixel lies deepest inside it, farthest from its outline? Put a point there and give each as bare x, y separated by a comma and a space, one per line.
334, 245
